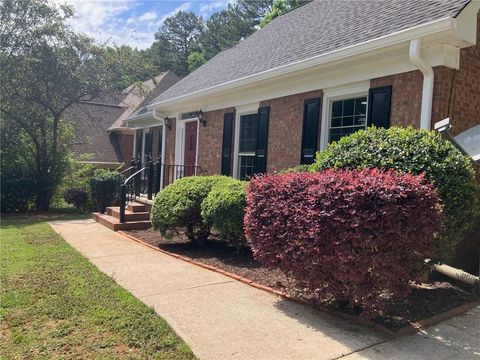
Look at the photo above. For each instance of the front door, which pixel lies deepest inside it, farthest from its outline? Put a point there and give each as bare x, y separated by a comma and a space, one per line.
190, 159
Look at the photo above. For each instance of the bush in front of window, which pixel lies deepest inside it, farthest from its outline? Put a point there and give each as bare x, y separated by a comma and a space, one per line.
224, 210
298, 168
415, 151
177, 208
358, 236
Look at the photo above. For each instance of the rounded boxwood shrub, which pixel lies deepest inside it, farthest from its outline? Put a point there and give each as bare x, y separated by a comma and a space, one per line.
224, 209
178, 207
105, 185
414, 151
357, 236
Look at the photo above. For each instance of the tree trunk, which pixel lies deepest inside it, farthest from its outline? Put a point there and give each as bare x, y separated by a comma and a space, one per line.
42, 200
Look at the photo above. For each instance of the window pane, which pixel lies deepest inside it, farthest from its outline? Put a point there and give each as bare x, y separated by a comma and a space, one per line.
348, 106
360, 106
247, 166
336, 122
248, 133
360, 120
347, 121
337, 108
347, 116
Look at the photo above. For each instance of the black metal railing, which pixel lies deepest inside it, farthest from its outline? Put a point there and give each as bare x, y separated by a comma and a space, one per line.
147, 179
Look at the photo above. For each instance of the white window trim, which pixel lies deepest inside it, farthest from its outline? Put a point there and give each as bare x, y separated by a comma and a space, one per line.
339, 93
247, 109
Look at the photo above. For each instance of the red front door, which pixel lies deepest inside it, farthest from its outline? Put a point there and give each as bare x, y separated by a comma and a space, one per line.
190, 148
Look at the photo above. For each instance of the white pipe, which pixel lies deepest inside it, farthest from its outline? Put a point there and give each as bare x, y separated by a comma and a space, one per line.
428, 77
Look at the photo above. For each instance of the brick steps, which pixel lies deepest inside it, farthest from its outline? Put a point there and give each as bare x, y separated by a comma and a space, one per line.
137, 217
129, 215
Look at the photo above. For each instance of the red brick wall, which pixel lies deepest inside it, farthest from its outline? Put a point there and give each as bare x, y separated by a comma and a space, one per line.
466, 100
125, 142
210, 142
285, 129
406, 97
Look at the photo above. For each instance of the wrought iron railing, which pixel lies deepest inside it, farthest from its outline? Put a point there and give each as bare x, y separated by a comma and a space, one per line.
149, 178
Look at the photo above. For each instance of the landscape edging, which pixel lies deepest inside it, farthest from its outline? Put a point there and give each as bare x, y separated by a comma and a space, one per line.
408, 329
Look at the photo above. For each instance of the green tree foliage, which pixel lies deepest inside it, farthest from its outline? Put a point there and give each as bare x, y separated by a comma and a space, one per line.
184, 33
195, 60
45, 69
281, 7
128, 65
176, 39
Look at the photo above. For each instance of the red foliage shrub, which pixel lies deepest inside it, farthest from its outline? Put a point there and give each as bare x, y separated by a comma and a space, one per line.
356, 236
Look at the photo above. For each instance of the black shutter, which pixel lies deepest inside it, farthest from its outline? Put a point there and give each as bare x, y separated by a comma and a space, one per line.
311, 115
262, 140
227, 144
379, 103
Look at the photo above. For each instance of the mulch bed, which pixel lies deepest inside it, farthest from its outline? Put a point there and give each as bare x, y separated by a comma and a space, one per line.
425, 301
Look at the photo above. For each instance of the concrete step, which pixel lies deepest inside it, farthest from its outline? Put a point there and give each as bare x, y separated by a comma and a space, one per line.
129, 215
115, 225
136, 207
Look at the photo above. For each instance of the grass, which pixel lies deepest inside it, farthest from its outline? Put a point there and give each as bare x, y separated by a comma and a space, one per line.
55, 304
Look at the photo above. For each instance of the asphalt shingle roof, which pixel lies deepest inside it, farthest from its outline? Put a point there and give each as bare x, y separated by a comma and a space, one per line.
313, 29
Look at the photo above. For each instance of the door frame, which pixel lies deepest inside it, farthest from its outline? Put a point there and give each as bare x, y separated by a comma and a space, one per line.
180, 140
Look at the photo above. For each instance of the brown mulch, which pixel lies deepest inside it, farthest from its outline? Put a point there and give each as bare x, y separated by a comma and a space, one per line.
426, 299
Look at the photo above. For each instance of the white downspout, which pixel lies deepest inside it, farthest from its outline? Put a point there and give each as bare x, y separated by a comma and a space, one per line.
428, 77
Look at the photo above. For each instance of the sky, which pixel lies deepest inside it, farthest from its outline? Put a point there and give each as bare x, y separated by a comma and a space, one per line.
132, 22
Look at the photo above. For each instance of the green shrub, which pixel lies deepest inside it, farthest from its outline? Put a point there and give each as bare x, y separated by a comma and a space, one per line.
415, 151
224, 209
77, 197
105, 185
298, 168
178, 207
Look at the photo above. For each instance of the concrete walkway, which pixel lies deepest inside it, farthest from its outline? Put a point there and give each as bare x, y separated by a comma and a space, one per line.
221, 318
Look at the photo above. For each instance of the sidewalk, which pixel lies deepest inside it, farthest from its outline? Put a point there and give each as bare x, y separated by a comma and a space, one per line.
221, 318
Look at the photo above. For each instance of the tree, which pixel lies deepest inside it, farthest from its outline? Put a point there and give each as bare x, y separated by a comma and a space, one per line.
195, 60
46, 68
224, 29
177, 38
281, 7
253, 11
128, 65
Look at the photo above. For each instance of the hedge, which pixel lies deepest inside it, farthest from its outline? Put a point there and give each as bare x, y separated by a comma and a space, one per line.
350, 235
77, 197
224, 209
415, 151
105, 185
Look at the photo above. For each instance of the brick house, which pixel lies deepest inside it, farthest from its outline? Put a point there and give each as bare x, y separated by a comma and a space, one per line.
313, 75
100, 136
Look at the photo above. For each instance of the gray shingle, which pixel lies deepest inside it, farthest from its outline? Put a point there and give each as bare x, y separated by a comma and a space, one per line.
314, 29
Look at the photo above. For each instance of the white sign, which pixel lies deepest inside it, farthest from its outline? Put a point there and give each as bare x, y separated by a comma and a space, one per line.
469, 141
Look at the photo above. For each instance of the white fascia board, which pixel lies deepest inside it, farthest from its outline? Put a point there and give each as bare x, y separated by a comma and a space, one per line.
447, 23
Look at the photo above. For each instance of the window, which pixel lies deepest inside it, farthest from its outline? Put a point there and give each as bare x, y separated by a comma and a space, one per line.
347, 116
247, 145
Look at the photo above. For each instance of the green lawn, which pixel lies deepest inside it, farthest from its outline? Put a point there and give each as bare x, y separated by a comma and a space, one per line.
55, 304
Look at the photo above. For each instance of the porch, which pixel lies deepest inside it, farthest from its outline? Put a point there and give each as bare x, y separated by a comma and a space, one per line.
141, 182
